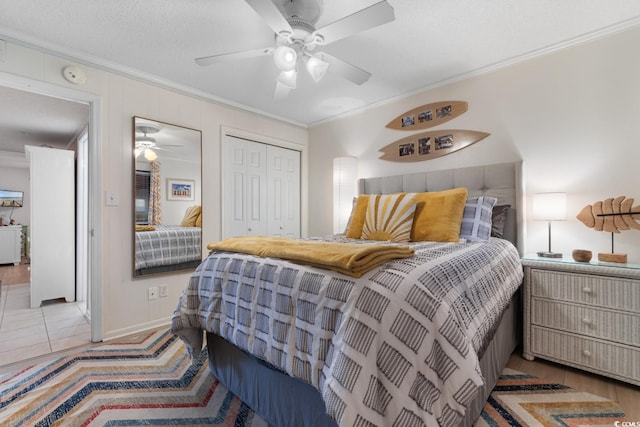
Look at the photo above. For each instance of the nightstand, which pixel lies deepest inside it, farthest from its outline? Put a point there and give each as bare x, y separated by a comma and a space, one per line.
585, 315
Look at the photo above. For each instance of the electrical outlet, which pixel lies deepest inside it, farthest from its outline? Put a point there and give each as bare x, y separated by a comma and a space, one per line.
164, 291
153, 293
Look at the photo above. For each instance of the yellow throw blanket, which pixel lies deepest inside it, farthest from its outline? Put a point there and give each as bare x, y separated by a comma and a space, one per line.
145, 227
352, 259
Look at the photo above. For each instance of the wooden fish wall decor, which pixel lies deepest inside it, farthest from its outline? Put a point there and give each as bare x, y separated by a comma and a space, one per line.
612, 215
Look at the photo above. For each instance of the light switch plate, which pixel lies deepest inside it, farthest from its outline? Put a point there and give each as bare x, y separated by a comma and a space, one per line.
110, 198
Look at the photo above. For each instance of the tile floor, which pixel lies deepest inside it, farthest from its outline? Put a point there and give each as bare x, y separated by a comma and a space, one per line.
27, 332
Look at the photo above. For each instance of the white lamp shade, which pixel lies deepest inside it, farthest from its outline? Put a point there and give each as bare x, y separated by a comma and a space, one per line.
317, 68
550, 206
288, 78
345, 174
281, 91
150, 155
285, 58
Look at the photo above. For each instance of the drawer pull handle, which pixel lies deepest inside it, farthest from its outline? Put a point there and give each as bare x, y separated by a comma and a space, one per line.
586, 290
586, 353
587, 321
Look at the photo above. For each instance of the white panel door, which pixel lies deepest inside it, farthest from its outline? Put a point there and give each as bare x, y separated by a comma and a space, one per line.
52, 231
244, 187
257, 188
283, 189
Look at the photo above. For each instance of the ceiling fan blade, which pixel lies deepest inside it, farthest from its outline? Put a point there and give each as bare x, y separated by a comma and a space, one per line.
224, 57
271, 15
348, 71
372, 16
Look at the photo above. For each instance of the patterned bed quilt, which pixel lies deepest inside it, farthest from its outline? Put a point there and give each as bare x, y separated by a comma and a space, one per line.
398, 346
167, 245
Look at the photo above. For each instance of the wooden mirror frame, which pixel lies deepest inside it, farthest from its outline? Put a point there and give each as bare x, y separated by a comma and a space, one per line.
179, 155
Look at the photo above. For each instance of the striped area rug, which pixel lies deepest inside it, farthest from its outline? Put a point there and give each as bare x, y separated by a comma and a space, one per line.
150, 380
523, 400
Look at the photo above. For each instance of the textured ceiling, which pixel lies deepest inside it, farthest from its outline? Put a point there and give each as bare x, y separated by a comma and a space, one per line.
428, 43
31, 119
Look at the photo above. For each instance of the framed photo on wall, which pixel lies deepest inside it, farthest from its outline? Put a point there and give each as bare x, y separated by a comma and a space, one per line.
180, 189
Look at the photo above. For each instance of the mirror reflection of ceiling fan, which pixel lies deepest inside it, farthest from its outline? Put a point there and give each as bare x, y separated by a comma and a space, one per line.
296, 37
146, 144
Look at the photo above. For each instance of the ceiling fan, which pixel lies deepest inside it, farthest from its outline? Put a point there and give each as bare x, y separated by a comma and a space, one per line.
146, 144
296, 37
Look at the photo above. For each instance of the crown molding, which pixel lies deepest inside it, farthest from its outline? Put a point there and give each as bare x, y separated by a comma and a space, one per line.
582, 39
83, 58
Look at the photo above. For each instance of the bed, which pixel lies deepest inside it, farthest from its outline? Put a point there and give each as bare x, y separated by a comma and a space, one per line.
163, 248
317, 362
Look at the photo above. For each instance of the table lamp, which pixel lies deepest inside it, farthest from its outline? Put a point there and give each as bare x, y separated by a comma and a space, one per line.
550, 207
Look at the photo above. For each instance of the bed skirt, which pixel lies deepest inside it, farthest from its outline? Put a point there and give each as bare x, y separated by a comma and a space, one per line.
285, 401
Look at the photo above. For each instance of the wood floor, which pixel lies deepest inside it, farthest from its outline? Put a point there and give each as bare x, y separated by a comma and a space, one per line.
14, 274
627, 395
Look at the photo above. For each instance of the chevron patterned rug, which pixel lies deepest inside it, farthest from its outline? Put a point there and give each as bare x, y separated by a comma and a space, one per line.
149, 380
523, 400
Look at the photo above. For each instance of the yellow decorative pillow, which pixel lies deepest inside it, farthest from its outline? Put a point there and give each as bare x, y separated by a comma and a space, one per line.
190, 216
199, 220
438, 215
389, 217
354, 231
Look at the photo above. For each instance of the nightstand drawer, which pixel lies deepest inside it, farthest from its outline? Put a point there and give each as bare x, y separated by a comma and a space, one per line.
606, 358
614, 293
613, 325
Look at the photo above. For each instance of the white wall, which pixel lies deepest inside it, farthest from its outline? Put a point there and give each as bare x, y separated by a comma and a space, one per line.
572, 116
173, 210
126, 308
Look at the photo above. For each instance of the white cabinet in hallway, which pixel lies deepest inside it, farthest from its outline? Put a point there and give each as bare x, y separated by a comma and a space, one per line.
10, 244
261, 189
52, 234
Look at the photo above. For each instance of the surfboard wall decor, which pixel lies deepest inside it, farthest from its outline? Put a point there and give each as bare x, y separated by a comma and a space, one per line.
430, 145
428, 115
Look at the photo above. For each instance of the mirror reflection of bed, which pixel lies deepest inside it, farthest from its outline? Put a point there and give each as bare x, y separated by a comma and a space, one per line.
167, 209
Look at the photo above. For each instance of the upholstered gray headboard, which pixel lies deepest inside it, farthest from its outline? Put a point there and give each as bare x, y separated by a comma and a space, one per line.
502, 181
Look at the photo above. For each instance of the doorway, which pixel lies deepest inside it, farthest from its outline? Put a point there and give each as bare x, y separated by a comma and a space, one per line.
88, 268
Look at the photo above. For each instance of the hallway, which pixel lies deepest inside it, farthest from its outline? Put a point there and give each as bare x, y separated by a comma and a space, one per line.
27, 332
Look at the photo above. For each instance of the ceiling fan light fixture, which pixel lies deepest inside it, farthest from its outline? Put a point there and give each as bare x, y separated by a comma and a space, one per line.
288, 78
145, 140
281, 91
285, 58
137, 152
316, 67
150, 155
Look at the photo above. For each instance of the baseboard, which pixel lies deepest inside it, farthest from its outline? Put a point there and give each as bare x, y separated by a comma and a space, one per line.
142, 327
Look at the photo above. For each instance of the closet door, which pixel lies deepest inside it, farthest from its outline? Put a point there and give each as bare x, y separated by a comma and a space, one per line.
244, 188
283, 189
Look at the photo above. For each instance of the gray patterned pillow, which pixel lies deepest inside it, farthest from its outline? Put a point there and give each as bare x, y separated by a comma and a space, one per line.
476, 219
498, 219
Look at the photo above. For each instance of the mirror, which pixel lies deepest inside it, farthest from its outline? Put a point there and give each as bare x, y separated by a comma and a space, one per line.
166, 197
